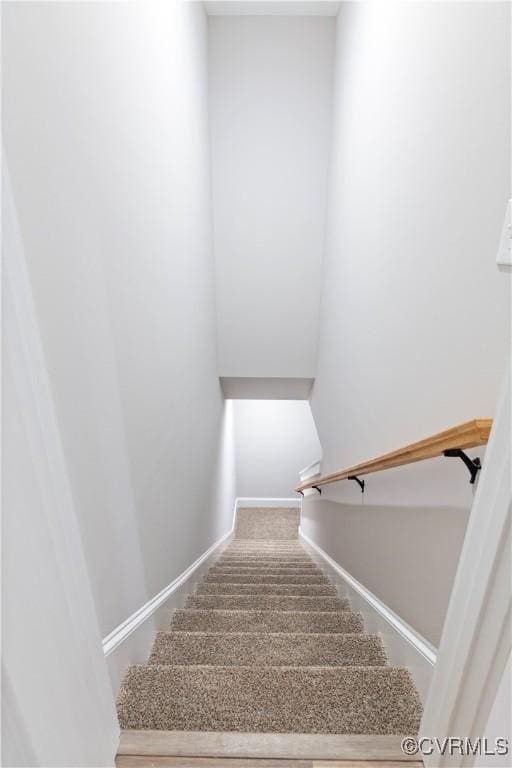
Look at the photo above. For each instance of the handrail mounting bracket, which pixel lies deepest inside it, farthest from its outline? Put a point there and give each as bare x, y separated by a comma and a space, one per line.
474, 465
317, 488
358, 480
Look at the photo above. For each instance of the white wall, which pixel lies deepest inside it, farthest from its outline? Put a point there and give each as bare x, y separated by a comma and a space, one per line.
57, 704
274, 440
106, 134
391, 551
500, 718
415, 316
270, 90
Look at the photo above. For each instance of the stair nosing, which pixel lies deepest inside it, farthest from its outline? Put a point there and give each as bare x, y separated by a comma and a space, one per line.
264, 745
263, 610
267, 634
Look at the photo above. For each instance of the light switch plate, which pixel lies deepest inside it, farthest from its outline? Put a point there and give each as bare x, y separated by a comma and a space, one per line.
504, 257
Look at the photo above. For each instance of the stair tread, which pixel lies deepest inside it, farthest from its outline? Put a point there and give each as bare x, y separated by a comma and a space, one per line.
283, 578
379, 700
227, 571
259, 649
267, 646
221, 620
227, 588
294, 549
287, 556
269, 602
259, 563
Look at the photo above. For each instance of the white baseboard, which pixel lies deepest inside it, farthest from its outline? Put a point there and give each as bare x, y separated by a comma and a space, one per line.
404, 646
131, 641
250, 501
120, 633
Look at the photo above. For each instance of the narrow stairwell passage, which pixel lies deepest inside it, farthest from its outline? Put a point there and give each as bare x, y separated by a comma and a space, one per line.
266, 645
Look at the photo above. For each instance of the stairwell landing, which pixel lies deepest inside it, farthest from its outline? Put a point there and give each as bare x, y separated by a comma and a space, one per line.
266, 645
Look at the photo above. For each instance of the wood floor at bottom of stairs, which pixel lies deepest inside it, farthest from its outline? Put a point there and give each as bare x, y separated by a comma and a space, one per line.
181, 749
141, 761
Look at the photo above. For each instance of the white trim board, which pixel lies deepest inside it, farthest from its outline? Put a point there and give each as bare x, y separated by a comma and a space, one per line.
312, 470
404, 646
250, 501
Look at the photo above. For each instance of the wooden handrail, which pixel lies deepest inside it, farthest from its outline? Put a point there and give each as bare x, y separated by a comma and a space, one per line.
466, 435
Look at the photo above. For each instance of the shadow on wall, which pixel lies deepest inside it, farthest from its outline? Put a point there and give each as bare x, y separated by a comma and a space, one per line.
406, 556
224, 479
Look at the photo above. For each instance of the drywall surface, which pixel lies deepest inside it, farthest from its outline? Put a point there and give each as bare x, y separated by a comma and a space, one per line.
274, 440
106, 134
406, 557
57, 704
415, 315
270, 93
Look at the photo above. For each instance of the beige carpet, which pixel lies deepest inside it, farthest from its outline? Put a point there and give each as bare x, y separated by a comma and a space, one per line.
266, 644
267, 523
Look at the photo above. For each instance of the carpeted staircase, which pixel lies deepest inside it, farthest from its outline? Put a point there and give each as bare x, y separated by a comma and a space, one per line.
266, 645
